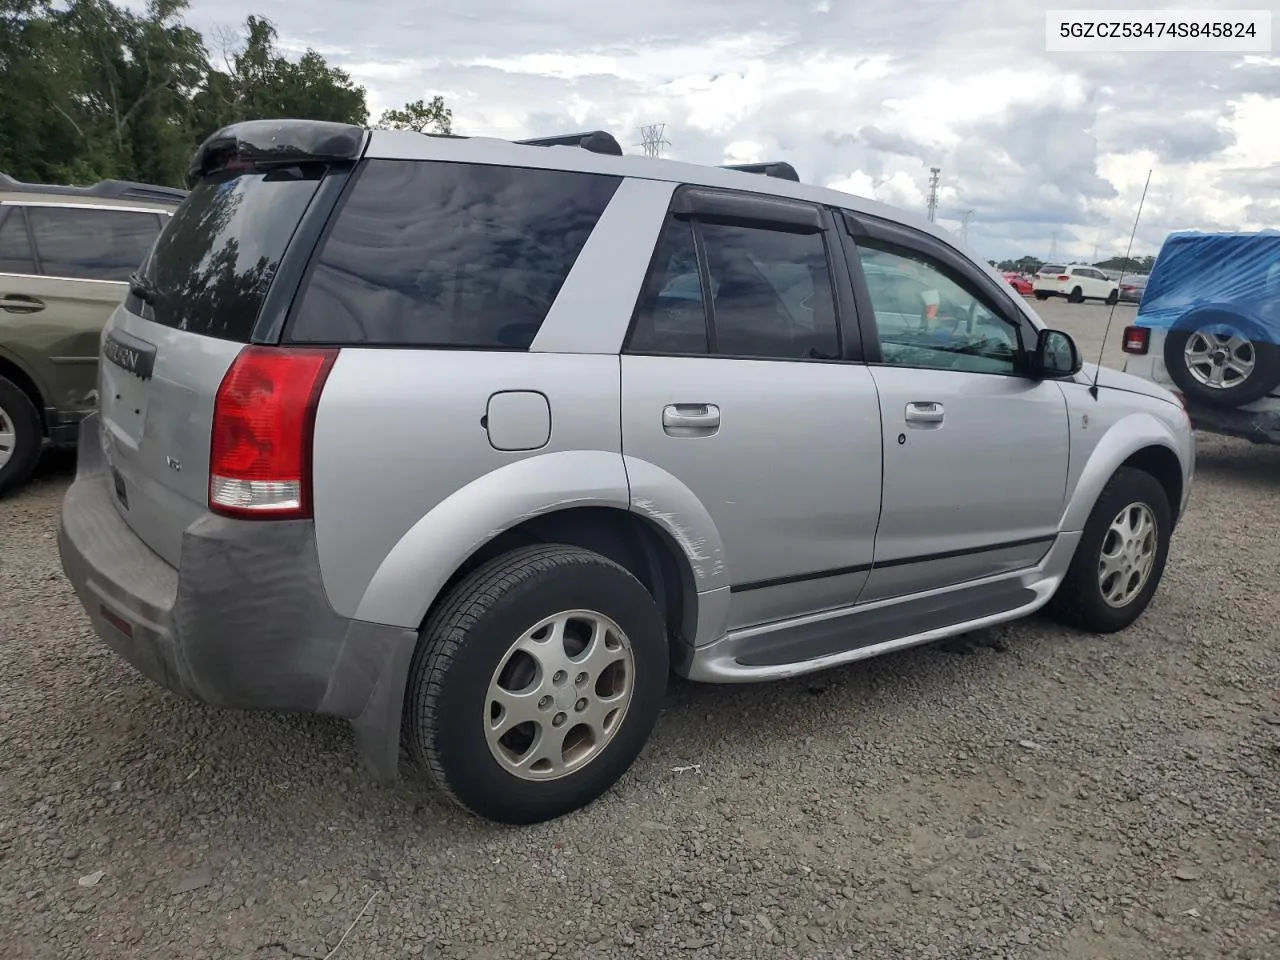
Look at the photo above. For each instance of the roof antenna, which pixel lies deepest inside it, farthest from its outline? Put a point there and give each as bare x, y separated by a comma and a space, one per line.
1093, 387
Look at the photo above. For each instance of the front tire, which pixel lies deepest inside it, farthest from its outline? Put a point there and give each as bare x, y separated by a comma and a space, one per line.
1120, 558
536, 683
20, 437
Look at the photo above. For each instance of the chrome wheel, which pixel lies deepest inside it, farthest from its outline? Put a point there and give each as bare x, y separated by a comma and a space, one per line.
1221, 360
1128, 554
559, 695
8, 437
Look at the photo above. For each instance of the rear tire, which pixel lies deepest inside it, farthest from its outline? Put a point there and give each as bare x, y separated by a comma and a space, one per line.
1041, 296
1113, 297
1120, 558
1076, 296
561, 636
20, 437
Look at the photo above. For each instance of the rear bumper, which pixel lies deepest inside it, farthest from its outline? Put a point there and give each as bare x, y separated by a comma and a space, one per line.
244, 622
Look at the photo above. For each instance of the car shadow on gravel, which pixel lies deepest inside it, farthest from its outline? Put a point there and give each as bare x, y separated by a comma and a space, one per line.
1238, 460
57, 465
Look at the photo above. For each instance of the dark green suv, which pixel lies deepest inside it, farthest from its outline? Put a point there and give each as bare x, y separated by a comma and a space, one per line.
65, 258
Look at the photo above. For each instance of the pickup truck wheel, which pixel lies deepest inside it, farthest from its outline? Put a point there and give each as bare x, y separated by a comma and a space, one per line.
20, 437
536, 683
1121, 555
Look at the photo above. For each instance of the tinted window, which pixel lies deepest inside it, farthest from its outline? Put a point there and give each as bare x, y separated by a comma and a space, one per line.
15, 249
1052, 268
771, 293
670, 317
449, 254
215, 260
91, 244
941, 325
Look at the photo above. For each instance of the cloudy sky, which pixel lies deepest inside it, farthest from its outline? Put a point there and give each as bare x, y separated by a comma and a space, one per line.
1043, 148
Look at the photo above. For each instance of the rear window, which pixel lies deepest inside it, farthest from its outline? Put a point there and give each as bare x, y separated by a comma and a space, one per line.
435, 254
213, 264
1053, 268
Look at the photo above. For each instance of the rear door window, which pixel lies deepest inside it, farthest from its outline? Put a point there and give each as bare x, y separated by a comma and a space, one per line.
82, 243
774, 298
433, 254
15, 248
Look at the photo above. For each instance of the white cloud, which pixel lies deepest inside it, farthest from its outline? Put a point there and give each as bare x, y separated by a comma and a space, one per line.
865, 97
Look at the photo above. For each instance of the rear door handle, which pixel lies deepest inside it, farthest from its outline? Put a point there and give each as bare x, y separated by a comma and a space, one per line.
690, 419
17, 303
924, 412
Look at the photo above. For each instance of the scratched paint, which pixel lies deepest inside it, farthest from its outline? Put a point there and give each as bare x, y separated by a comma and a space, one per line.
706, 563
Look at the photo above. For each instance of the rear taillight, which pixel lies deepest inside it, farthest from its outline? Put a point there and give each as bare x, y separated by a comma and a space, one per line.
1136, 340
1064, 276
263, 418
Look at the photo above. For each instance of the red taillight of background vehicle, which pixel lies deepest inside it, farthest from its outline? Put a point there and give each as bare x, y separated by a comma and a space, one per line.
1136, 340
263, 420
1065, 276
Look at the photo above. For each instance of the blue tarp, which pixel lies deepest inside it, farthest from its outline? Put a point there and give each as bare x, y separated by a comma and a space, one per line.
1236, 274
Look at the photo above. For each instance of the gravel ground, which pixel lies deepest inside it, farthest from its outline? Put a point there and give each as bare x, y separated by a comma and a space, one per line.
1034, 793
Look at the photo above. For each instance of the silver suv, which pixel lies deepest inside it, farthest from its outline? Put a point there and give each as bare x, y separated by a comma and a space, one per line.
473, 441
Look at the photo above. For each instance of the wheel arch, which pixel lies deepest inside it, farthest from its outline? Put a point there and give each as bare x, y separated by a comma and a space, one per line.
1138, 440
14, 372
640, 545
631, 510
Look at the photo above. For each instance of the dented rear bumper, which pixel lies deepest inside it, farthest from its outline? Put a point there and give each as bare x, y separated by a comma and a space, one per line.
243, 621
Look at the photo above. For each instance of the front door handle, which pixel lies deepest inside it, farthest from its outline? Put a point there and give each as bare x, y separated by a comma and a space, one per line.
924, 412
17, 303
690, 419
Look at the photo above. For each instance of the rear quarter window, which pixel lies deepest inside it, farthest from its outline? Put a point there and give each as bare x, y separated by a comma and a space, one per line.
436, 254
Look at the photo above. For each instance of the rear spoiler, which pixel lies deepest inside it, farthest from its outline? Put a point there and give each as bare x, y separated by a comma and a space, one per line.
273, 142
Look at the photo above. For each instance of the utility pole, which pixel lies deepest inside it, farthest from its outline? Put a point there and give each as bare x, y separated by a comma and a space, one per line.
933, 192
964, 225
652, 139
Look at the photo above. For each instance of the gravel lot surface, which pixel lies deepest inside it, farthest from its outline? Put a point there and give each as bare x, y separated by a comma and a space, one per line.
1032, 793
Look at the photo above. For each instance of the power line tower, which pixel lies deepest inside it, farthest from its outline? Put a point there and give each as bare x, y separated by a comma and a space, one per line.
652, 139
964, 225
933, 191
1053, 247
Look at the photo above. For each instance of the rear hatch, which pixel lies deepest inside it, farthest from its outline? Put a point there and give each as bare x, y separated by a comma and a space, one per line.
1047, 275
204, 292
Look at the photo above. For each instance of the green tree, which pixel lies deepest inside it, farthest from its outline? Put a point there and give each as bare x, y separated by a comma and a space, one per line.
261, 83
90, 89
419, 116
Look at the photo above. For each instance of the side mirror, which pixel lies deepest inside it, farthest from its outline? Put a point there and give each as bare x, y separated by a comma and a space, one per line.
1056, 356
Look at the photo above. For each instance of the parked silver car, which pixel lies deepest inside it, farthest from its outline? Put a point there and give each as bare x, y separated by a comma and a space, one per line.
472, 442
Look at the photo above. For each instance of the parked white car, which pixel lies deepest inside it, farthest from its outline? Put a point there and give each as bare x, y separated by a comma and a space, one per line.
1076, 282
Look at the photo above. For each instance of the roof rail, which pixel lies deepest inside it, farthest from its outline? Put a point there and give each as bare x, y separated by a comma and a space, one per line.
107, 189
780, 169
597, 141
